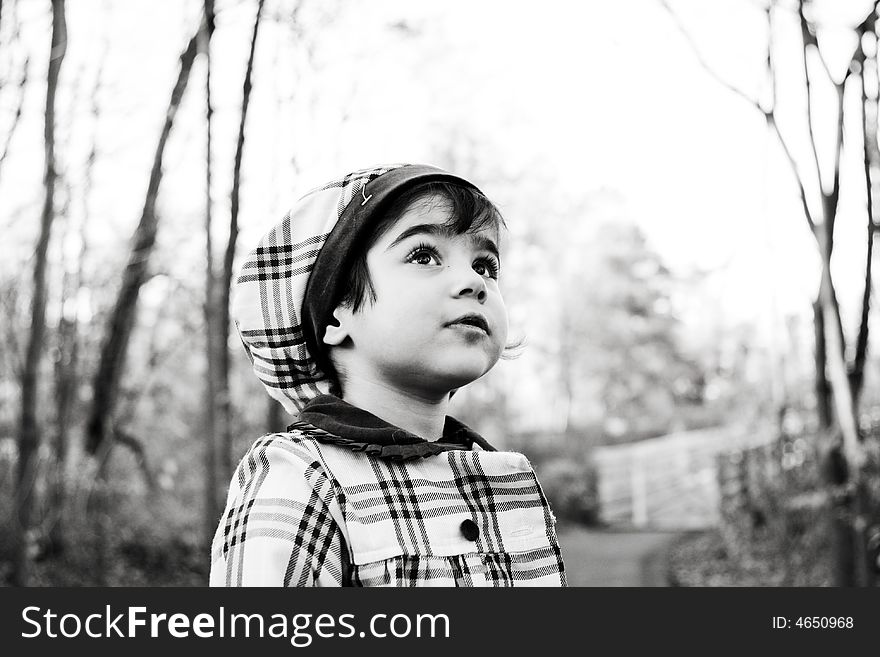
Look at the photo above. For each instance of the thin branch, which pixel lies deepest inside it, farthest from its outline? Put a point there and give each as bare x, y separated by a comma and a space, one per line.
808, 39
16, 33
834, 195
771, 122
225, 463
768, 60
699, 55
768, 114
22, 85
856, 62
770, 118
239, 147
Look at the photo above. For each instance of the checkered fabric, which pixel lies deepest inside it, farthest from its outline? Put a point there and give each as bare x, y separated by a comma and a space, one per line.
270, 288
304, 513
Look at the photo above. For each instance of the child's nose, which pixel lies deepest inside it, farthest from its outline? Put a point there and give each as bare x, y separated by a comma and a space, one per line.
473, 285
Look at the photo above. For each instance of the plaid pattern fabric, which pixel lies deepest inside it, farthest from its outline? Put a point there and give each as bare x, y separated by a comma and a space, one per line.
271, 285
303, 513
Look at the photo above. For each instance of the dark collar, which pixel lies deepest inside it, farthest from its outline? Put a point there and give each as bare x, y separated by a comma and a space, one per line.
329, 419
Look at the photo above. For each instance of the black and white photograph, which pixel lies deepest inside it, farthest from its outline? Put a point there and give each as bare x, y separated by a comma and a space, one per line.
327, 293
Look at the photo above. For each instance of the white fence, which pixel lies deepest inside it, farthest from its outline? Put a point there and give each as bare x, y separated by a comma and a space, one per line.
669, 482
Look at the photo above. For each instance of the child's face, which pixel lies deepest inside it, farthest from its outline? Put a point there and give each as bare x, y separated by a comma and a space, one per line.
438, 321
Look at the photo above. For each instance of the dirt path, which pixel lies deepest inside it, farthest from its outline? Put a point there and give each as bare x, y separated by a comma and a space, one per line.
614, 558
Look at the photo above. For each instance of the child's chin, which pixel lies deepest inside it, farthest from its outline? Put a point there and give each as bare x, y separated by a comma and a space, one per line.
457, 377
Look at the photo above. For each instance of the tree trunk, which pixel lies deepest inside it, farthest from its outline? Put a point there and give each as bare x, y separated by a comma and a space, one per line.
832, 379
66, 363
67, 357
848, 517
29, 439
822, 387
121, 322
223, 395
871, 163
212, 502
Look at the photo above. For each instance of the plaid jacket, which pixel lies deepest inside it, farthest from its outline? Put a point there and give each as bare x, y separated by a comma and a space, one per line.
306, 513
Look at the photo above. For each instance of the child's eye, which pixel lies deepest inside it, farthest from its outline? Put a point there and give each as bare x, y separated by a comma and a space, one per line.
424, 254
487, 267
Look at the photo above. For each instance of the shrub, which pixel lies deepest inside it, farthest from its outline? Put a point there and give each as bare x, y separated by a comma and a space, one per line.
571, 487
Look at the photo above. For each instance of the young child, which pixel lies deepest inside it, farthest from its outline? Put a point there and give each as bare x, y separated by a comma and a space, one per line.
362, 312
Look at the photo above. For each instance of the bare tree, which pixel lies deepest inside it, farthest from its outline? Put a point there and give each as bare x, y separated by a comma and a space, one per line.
866, 59
101, 430
212, 336
69, 339
229, 258
218, 423
837, 382
111, 361
29, 437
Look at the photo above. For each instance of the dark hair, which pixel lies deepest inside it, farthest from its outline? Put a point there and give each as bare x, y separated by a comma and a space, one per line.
469, 211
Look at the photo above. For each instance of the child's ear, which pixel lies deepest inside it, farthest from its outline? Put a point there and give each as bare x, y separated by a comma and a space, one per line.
335, 334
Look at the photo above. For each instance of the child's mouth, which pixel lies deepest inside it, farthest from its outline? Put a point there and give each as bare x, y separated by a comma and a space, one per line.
472, 320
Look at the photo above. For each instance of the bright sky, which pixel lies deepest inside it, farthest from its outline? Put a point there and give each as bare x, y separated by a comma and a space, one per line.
583, 96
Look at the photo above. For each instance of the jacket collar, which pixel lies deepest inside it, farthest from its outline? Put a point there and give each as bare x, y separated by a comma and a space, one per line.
329, 419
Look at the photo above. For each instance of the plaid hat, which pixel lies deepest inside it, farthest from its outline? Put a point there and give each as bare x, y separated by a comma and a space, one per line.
285, 292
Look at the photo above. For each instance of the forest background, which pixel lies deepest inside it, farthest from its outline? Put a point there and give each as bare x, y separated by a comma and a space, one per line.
689, 188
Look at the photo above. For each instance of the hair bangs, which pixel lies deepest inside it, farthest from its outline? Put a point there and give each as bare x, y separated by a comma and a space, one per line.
468, 210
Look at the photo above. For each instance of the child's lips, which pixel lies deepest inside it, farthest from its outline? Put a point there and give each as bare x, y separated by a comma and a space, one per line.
471, 321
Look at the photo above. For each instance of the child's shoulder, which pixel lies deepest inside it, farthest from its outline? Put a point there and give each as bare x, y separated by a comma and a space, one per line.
296, 441
298, 433
285, 454
301, 439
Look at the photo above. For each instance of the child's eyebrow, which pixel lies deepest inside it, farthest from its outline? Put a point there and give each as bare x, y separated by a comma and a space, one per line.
486, 244
439, 230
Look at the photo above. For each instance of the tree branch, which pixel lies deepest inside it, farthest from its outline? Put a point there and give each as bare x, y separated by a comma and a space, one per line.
225, 463
833, 196
809, 39
17, 116
137, 448
771, 122
770, 117
699, 55
767, 113
121, 321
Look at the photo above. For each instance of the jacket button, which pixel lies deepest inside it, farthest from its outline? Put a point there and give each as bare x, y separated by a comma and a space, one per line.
470, 530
